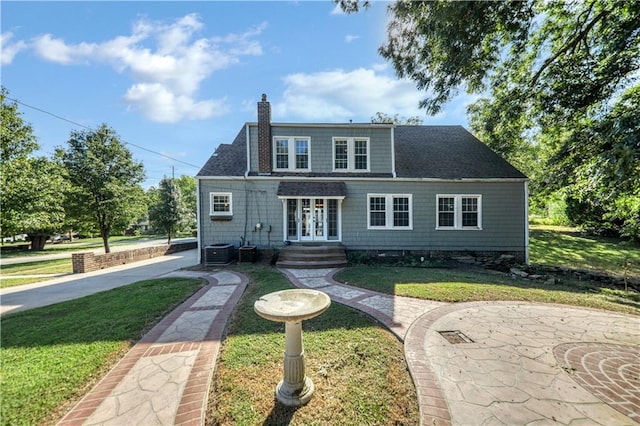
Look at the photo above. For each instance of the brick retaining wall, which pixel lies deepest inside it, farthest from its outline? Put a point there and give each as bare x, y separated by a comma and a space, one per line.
88, 261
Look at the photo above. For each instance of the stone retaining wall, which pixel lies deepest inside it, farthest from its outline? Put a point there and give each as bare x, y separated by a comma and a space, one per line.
88, 261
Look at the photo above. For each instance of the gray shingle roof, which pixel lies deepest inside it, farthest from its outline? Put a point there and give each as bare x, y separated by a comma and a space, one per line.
437, 152
447, 152
229, 159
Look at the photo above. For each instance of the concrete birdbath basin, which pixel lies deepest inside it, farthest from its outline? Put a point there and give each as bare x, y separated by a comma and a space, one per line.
292, 307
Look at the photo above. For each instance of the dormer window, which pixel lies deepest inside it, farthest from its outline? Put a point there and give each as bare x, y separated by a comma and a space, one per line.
350, 154
291, 153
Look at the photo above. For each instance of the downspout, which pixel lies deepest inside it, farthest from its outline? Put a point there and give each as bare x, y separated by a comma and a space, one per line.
393, 152
198, 228
526, 222
246, 193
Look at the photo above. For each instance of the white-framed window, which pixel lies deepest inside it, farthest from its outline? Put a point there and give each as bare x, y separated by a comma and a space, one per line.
221, 204
390, 211
458, 211
351, 154
291, 153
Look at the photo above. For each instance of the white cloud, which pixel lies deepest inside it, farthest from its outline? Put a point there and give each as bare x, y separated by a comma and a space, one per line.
9, 50
382, 66
56, 50
167, 61
341, 96
165, 106
350, 38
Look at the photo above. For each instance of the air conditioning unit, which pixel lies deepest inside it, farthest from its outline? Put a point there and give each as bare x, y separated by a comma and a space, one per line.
218, 254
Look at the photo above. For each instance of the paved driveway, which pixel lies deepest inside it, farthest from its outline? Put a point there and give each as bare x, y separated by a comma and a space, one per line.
13, 299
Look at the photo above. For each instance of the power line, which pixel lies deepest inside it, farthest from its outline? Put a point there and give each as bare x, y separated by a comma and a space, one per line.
89, 128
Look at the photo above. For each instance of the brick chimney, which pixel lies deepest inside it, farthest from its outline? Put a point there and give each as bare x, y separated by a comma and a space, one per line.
264, 136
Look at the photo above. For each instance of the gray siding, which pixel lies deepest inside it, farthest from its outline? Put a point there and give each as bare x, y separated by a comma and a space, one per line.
503, 218
322, 145
254, 201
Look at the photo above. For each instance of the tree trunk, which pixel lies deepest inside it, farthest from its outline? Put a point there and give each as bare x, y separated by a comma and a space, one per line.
169, 239
38, 242
104, 233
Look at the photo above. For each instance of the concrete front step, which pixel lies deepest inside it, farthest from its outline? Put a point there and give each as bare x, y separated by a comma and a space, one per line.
318, 264
312, 256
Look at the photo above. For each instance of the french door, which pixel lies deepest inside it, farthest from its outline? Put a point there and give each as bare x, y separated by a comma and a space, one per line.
312, 219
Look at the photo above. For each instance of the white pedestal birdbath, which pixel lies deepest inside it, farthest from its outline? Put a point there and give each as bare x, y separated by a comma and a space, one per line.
292, 307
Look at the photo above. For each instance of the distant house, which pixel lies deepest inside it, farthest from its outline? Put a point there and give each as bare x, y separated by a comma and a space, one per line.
376, 188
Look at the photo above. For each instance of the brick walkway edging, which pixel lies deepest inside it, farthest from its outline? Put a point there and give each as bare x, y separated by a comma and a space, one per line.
193, 404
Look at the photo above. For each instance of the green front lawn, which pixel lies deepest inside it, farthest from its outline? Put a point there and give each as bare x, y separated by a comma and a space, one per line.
52, 356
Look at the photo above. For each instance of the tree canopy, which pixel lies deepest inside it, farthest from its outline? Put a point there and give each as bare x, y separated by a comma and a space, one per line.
558, 84
187, 186
555, 56
167, 211
32, 186
383, 118
105, 180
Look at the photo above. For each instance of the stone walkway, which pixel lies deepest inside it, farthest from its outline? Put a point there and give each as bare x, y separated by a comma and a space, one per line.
165, 378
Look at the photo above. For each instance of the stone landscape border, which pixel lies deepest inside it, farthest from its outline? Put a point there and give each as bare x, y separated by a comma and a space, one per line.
89, 261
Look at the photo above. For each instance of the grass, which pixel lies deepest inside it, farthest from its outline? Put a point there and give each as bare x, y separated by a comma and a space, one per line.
357, 367
456, 285
81, 244
58, 266
14, 282
564, 246
52, 356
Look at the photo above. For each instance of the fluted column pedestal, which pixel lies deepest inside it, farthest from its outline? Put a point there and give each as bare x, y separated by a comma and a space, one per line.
295, 388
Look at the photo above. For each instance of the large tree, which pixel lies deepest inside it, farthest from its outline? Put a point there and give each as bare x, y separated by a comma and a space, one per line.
105, 180
550, 74
167, 211
598, 167
561, 56
32, 187
187, 186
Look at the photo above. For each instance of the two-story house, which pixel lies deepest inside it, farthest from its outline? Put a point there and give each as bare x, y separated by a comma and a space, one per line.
377, 188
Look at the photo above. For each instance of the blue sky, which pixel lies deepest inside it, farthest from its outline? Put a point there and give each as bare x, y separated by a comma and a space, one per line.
179, 78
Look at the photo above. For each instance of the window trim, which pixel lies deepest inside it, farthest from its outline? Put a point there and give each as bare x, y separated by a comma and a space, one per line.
351, 154
291, 153
457, 212
389, 212
218, 194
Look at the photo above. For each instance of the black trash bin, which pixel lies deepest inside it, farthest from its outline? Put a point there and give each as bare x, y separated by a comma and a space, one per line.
247, 254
